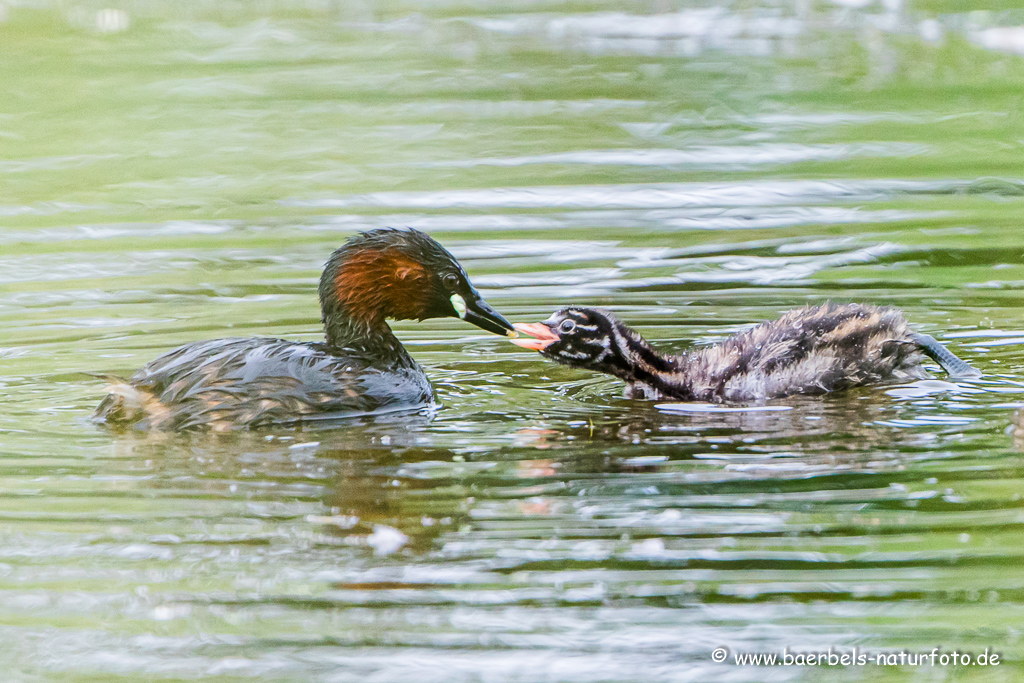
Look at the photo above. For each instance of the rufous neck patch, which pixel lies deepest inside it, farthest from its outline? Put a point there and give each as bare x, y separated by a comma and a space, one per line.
376, 284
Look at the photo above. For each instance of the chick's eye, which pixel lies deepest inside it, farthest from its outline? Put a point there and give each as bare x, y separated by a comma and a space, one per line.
450, 281
567, 326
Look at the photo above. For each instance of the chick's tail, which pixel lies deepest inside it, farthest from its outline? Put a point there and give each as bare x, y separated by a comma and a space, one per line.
957, 369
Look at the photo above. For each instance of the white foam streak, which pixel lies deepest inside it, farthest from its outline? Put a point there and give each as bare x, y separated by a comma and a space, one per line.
647, 196
686, 32
703, 156
713, 408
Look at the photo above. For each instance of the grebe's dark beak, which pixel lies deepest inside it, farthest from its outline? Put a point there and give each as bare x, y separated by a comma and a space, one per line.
543, 336
480, 313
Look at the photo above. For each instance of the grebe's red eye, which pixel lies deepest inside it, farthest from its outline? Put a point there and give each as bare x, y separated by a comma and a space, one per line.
451, 281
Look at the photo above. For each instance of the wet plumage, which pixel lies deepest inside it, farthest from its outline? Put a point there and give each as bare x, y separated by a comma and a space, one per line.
359, 368
811, 350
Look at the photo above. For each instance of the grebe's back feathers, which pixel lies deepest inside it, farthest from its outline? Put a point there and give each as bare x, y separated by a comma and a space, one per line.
256, 381
810, 350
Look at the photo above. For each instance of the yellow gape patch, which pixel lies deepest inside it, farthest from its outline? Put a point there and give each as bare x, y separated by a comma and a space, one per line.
459, 304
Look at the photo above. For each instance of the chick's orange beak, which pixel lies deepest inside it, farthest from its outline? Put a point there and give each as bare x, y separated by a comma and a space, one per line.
543, 336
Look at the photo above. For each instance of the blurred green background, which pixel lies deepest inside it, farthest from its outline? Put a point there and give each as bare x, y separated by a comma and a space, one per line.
179, 171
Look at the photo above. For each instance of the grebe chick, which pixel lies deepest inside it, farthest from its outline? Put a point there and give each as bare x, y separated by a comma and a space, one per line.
811, 350
359, 368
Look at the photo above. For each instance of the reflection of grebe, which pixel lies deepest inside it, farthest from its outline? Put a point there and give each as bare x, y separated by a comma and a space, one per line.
811, 350
1017, 429
361, 367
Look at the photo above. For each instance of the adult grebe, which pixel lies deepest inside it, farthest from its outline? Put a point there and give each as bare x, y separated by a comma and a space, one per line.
811, 350
359, 368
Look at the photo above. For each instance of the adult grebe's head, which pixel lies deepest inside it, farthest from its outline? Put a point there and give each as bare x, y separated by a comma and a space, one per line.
401, 275
581, 337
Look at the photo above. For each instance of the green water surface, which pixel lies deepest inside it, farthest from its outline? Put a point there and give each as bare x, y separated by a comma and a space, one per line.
171, 172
